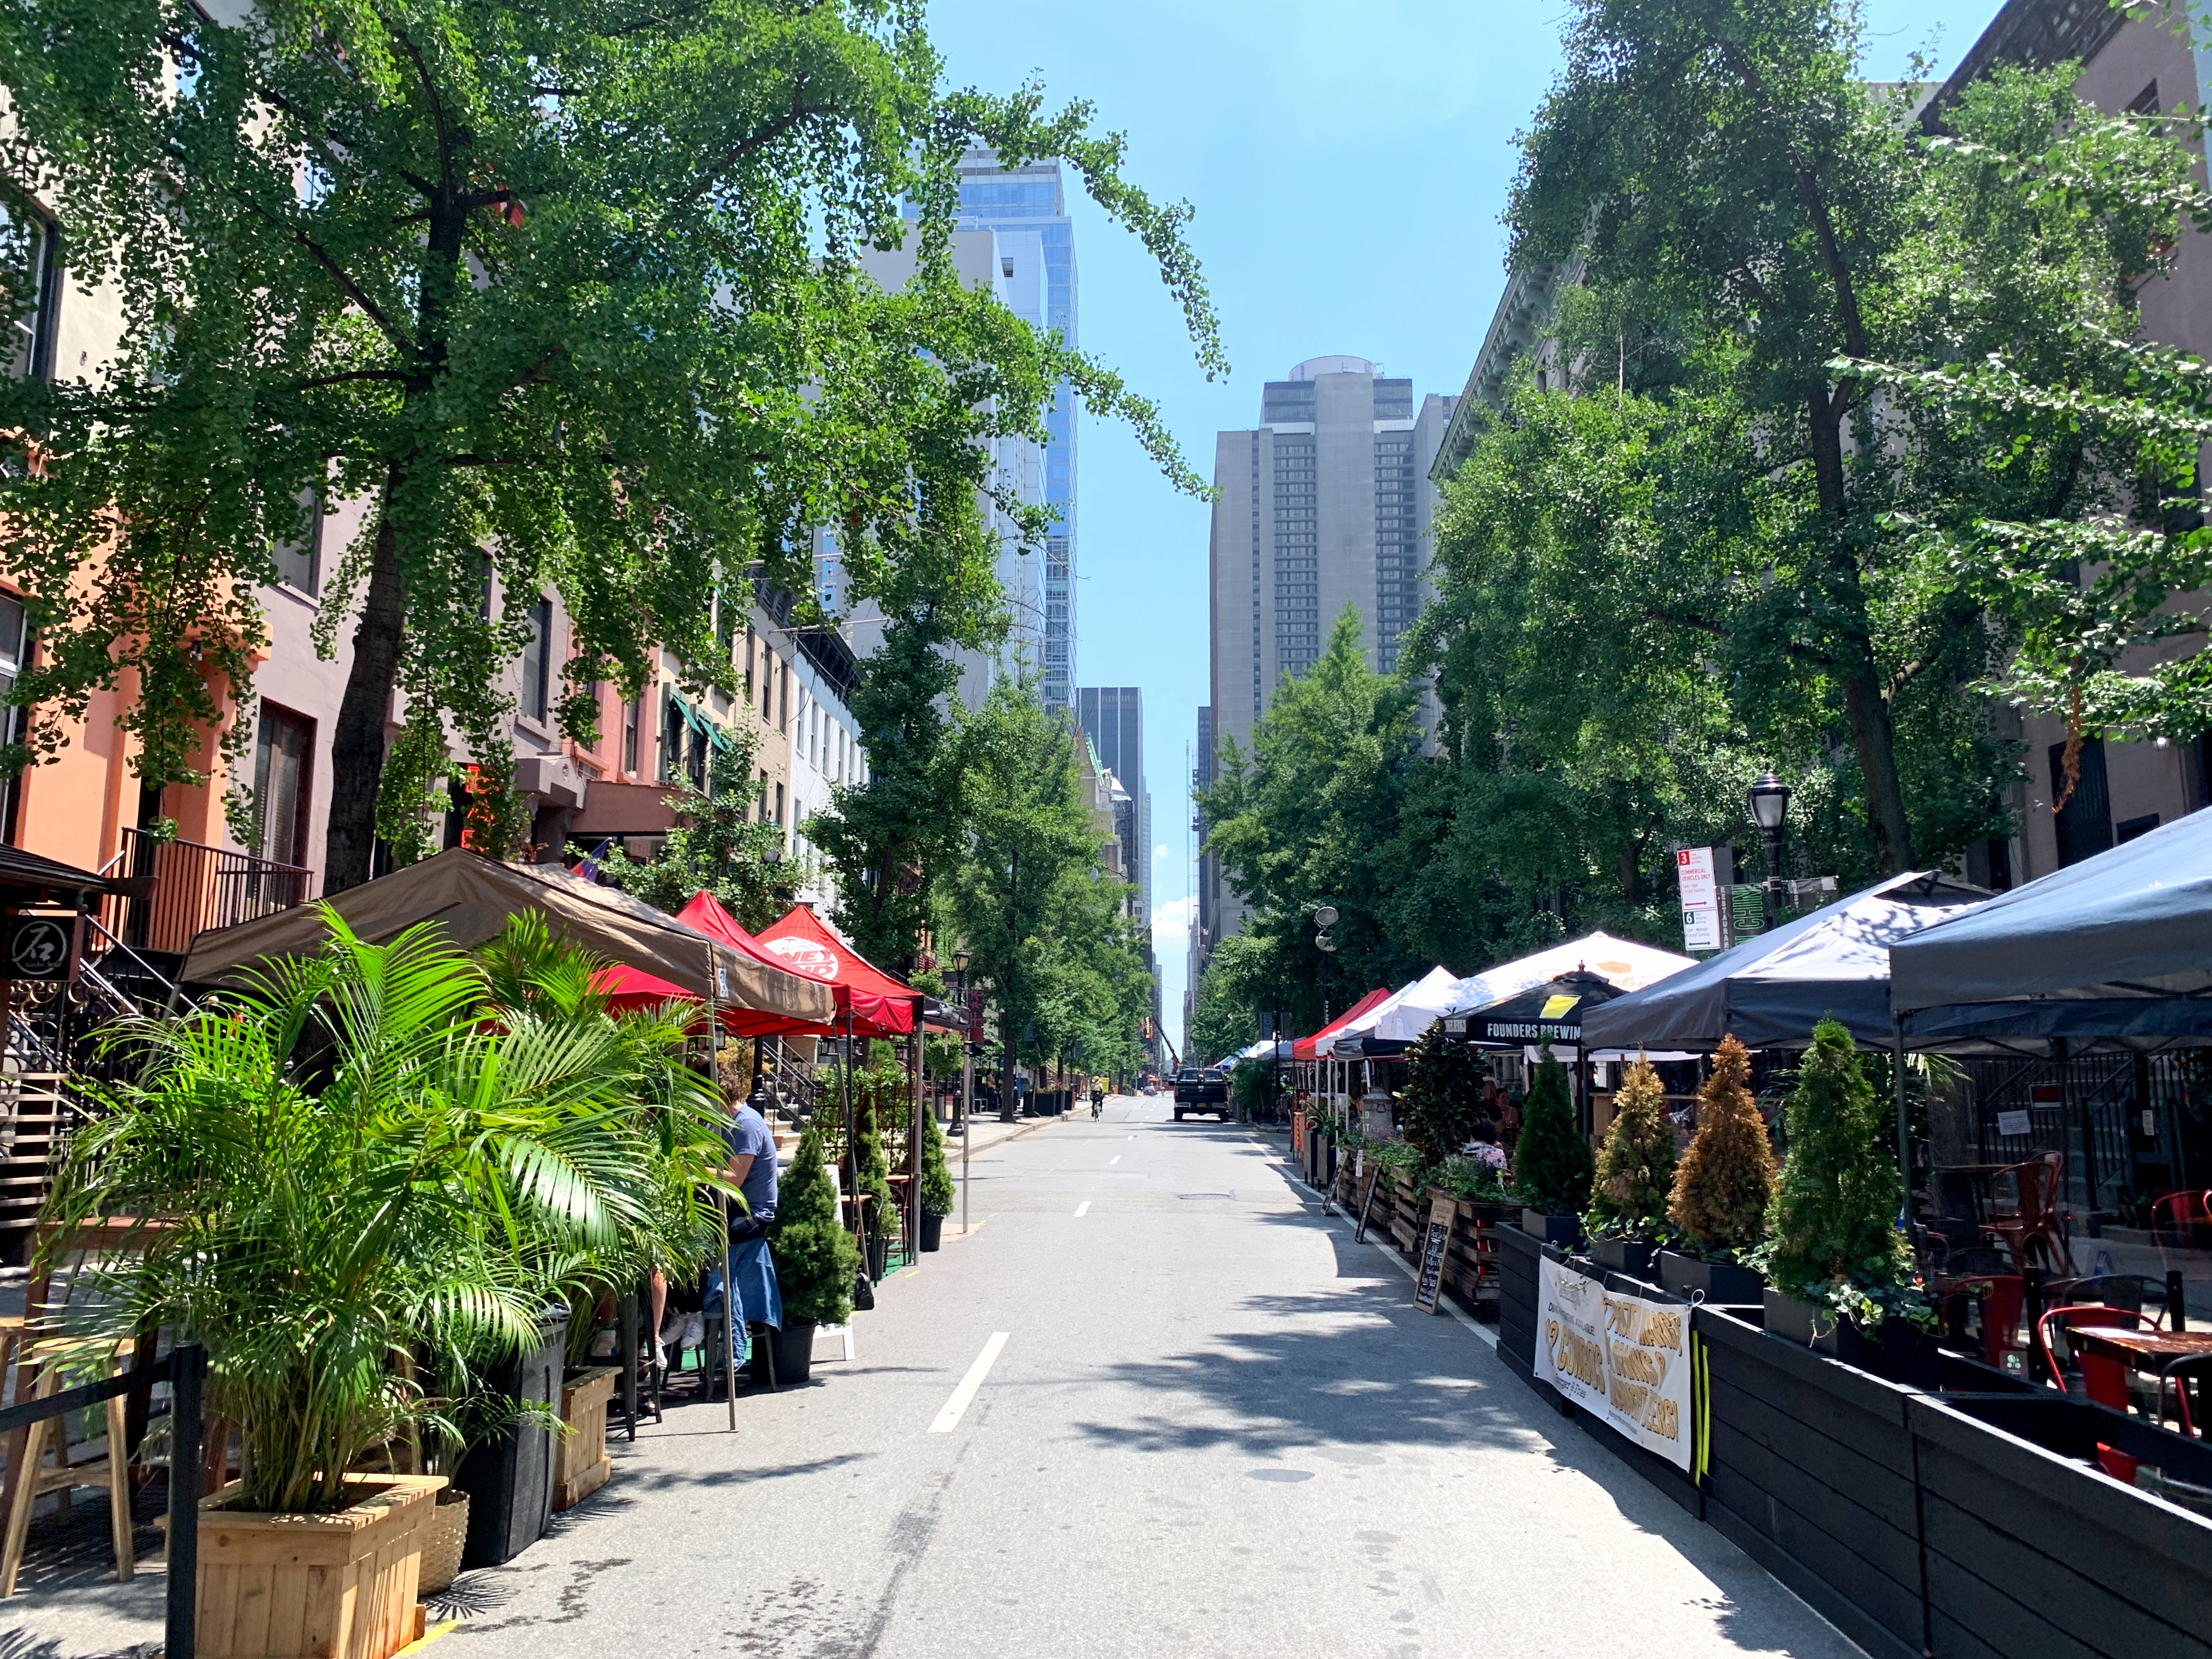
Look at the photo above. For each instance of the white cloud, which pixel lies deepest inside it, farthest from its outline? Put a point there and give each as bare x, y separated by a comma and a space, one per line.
1161, 851
1171, 924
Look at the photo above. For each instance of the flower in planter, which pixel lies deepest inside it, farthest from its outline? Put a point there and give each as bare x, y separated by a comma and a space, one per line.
1635, 1170
1552, 1160
1834, 1217
1726, 1178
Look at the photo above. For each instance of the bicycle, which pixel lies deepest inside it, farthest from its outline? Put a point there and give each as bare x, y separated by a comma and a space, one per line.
1097, 1099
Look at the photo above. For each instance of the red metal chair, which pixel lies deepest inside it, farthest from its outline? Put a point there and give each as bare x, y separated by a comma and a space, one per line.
2024, 1200
2002, 1298
2104, 1381
2182, 1221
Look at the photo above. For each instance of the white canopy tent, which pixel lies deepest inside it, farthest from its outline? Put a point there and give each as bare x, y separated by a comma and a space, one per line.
1421, 1002
1624, 962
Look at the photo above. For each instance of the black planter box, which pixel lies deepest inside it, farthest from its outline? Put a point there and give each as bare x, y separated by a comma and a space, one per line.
1903, 1353
2030, 1550
1810, 1473
1632, 1256
509, 1472
1563, 1231
1720, 1284
1518, 1255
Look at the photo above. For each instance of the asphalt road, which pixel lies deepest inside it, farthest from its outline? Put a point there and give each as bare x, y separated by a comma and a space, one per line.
1214, 1426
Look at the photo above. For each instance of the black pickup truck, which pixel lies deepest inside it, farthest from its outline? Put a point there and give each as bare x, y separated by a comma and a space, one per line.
1197, 1091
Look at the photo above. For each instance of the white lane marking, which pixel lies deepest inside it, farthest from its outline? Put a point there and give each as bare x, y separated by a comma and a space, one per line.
1084, 1208
1116, 1158
949, 1418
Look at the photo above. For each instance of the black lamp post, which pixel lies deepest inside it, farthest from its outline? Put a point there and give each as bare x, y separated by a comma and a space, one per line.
1324, 918
960, 1001
1770, 805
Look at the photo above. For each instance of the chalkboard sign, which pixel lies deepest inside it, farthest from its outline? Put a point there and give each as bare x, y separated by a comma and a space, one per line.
1359, 1233
1430, 1285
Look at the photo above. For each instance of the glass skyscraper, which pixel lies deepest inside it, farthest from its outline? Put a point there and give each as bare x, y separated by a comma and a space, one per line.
1028, 208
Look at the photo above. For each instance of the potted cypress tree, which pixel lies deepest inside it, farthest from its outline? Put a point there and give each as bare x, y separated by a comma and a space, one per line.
344, 1166
814, 1257
1552, 1163
1627, 1219
937, 1190
1841, 1270
1722, 1190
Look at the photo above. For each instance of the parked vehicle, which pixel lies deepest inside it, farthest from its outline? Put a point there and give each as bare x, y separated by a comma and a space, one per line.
1198, 1090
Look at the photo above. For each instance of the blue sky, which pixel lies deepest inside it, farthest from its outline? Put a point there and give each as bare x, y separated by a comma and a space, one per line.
1348, 162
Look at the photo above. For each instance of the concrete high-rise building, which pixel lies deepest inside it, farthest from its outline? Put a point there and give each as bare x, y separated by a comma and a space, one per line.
1114, 715
1027, 208
1326, 503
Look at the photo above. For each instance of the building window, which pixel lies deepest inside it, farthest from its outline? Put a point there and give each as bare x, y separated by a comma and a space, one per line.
672, 739
300, 561
35, 244
538, 661
783, 706
779, 806
2084, 825
15, 655
283, 765
631, 715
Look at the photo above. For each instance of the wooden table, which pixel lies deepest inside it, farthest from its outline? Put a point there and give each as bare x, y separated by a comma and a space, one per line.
2141, 1351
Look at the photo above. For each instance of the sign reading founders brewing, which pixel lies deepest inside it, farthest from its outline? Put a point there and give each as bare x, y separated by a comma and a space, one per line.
1618, 1356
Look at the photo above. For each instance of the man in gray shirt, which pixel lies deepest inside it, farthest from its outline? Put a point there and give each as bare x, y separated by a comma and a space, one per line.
752, 1166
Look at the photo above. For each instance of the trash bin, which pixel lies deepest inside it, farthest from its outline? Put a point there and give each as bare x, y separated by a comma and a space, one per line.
508, 1472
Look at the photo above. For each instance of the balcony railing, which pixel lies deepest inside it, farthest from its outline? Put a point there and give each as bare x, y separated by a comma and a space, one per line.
184, 888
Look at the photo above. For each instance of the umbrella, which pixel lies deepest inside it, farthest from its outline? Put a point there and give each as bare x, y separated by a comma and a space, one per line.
1550, 1013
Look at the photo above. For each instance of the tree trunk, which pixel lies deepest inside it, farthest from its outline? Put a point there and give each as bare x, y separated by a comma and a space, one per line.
1864, 705
357, 741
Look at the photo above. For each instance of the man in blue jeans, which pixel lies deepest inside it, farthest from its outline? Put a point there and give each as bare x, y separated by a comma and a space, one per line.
752, 1166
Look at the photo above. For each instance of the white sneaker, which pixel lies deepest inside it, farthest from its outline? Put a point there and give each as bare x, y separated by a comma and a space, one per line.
695, 1331
660, 1355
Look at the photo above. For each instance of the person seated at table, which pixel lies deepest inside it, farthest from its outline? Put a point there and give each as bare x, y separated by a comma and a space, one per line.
1482, 1145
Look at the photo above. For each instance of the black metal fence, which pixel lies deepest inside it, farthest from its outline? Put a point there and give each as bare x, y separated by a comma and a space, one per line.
185, 1369
180, 888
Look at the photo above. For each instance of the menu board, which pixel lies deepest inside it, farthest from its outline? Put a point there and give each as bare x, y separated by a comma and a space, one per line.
1430, 1285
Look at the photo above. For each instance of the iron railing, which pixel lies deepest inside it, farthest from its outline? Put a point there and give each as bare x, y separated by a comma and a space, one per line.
185, 887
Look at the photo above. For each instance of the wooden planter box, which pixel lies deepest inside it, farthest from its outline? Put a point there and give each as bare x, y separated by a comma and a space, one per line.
581, 1464
1720, 1284
340, 1586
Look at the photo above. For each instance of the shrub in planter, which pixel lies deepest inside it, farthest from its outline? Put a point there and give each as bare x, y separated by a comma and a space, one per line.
1833, 1215
1444, 1077
815, 1256
349, 1163
938, 1192
1553, 1162
1726, 1179
1635, 1175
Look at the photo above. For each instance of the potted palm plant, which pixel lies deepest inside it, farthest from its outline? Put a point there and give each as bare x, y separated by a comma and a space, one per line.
344, 1166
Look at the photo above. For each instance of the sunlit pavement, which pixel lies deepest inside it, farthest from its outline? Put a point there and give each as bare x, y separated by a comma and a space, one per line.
1215, 1425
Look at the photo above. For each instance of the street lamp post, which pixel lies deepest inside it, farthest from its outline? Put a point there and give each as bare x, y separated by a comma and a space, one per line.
967, 1070
1324, 918
1770, 805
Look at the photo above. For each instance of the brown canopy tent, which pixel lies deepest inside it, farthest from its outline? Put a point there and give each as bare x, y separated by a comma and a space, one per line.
471, 897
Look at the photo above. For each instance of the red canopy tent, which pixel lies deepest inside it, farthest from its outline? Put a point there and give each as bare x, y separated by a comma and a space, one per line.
877, 1004
631, 987
1305, 1047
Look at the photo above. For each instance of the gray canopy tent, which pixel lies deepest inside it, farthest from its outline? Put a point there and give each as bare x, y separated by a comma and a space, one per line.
1770, 991
2115, 951
471, 897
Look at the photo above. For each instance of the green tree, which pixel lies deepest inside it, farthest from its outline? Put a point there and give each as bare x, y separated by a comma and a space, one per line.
1552, 1161
1726, 1178
1028, 896
568, 293
1297, 824
1636, 1167
1834, 1217
1444, 1075
814, 1257
938, 1193
712, 849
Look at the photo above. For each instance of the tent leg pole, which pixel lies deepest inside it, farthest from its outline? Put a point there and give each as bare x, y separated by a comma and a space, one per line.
1904, 1119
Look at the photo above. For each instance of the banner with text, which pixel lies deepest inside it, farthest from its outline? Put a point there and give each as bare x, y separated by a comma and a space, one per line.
1618, 1356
